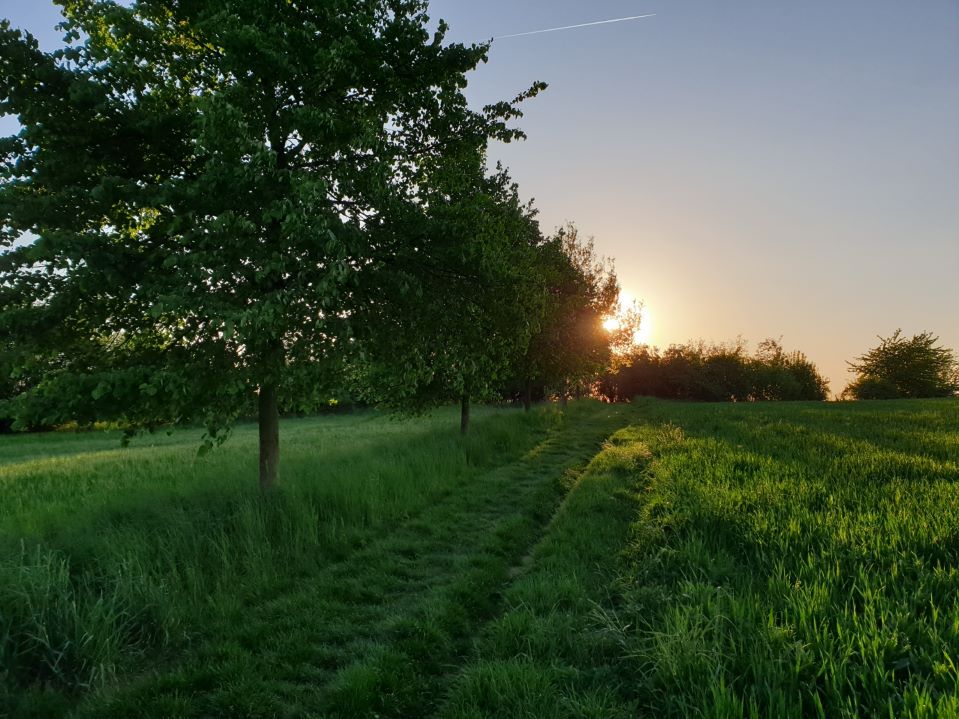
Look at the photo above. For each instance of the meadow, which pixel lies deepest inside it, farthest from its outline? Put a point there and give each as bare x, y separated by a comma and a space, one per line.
727, 560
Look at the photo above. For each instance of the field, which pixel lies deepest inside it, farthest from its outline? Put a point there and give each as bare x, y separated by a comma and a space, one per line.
779, 559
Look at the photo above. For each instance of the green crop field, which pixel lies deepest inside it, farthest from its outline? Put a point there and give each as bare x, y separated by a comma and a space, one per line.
656, 558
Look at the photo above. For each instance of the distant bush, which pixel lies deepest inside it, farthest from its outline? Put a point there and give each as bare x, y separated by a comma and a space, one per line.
715, 373
902, 368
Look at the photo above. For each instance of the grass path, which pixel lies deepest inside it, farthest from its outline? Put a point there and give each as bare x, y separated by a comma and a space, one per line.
549, 654
381, 632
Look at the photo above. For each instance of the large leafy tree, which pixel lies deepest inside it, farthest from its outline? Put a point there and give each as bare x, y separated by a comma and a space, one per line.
199, 181
901, 367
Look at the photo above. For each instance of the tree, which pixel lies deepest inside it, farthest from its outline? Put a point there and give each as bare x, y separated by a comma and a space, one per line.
781, 375
571, 344
201, 180
466, 309
899, 367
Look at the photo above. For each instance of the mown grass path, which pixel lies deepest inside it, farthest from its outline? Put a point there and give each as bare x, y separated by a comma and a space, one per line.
554, 651
382, 631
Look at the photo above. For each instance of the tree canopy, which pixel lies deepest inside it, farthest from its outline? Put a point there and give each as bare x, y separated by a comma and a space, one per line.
570, 344
901, 367
207, 190
466, 309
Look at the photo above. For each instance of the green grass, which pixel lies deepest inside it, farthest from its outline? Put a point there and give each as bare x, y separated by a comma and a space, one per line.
680, 560
797, 560
550, 654
131, 578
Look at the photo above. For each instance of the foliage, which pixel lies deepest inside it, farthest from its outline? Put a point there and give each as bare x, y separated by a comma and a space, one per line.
464, 310
201, 181
899, 367
715, 373
570, 345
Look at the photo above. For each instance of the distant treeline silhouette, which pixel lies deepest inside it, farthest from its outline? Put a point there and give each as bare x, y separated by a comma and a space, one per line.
715, 373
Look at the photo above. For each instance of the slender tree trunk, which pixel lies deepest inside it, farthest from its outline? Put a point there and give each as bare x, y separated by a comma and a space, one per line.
564, 394
269, 420
527, 395
464, 414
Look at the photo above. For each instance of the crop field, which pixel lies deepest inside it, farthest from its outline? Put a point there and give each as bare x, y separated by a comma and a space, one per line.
677, 560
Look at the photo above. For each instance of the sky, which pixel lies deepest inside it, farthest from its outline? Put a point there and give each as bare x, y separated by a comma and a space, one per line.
756, 169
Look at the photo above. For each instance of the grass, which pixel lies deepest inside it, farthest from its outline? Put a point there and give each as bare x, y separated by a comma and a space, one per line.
549, 654
682, 560
797, 560
131, 578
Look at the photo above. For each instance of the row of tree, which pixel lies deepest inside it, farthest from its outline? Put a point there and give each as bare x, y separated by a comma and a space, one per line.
227, 206
715, 373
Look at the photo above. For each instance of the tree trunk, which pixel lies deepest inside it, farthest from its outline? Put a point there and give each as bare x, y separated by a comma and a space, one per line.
527, 395
564, 394
465, 414
269, 420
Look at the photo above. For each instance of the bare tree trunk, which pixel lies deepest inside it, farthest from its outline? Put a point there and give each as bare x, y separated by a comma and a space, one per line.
564, 394
269, 421
527, 395
464, 414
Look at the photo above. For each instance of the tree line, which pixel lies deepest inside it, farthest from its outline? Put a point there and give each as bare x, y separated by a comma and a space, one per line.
715, 373
899, 367
214, 208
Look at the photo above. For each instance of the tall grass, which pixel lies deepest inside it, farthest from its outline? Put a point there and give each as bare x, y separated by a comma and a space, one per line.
109, 553
799, 561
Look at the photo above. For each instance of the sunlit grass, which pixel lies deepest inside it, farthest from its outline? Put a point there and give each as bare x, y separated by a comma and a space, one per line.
780, 560
794, 561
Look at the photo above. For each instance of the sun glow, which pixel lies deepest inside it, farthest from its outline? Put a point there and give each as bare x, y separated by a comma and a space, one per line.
644, 335
628, 306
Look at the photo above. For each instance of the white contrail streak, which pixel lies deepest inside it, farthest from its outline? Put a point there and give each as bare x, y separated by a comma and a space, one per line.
573, 27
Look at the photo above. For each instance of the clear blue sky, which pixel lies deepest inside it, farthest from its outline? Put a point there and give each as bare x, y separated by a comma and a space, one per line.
756, 168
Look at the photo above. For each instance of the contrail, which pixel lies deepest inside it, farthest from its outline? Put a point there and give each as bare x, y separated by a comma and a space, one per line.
573, 27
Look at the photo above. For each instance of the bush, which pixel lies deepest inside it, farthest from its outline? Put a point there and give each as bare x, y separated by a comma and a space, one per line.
901, 368
716, 373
